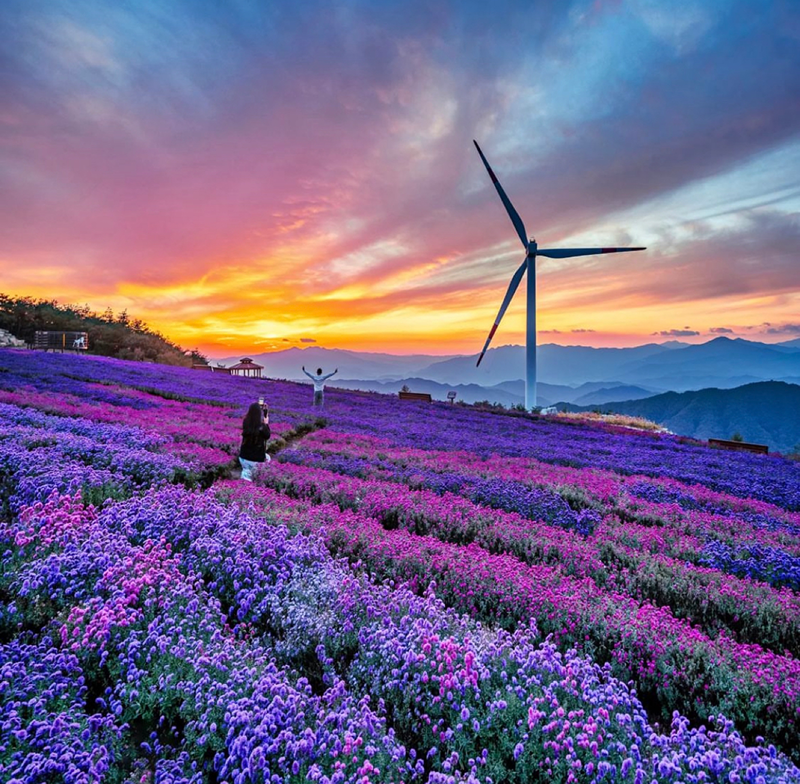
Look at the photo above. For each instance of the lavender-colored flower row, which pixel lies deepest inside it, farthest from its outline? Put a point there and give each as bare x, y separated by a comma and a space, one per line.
437, 426
761, 563
670, 660
709, 517
715, 602
768, 564
533, 503
40, 454
632, 496
46, 732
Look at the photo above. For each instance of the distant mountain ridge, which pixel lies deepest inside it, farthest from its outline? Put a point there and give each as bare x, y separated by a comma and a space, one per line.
654, 367
766, 412
707, 390
288, 364
720, 362
507, 393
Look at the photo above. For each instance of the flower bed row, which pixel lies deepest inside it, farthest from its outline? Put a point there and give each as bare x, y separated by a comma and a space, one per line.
654, 501
40, 453
699, 535
716, 602
672, 663
189, 650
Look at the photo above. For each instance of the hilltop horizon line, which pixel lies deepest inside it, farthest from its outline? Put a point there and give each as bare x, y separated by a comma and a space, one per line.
218, 356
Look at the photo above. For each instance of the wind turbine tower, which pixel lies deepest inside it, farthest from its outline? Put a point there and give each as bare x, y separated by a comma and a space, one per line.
532, 250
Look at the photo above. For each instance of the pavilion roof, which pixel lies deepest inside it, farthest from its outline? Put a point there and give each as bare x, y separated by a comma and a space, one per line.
247, 364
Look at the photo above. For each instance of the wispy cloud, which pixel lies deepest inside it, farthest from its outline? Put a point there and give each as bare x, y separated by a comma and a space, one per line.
677, 333
784, 329
236, 168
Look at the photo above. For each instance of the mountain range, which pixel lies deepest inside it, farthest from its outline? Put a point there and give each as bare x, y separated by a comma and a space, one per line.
708, 390
562, 370
767, 412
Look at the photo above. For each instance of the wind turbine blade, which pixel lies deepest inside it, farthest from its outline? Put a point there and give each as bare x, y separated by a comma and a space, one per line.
565, 253
512, 213
512, 289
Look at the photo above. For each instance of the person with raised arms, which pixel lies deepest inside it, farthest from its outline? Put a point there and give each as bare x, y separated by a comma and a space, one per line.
319, 384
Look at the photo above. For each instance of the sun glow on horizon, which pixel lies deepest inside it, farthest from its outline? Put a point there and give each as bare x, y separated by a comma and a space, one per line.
325, 186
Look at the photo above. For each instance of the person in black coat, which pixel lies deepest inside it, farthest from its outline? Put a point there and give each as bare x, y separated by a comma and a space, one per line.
255, 434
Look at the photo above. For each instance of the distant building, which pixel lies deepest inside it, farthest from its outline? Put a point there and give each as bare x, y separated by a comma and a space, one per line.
246, 367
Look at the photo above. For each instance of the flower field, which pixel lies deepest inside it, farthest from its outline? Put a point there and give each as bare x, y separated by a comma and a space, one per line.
407, 593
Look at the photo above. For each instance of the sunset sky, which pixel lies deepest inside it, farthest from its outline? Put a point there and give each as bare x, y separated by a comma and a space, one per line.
252, 175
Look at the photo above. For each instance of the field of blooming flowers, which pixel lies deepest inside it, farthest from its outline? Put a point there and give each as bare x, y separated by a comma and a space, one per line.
407, 593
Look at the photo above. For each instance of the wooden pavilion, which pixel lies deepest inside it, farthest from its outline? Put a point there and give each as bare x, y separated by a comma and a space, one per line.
246, 367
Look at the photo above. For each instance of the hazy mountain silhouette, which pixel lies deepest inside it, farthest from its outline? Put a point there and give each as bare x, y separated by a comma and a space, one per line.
767, 412
607, 393
507, 393
562, 370
721, 362
789, 343
569, 365
352, 364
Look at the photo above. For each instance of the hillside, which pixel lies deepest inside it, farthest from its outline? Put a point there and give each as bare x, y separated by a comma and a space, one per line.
766, 412
721, 362
449, 585
118, 336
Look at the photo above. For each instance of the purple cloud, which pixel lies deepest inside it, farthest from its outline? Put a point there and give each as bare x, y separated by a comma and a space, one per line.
277, 143
784, 329
677, 333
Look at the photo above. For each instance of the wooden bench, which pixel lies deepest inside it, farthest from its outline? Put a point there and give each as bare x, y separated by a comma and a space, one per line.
423, 396
742, 446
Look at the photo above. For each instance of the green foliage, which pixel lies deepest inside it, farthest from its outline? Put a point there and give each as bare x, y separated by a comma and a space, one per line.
737, 436
117, 336
98, 495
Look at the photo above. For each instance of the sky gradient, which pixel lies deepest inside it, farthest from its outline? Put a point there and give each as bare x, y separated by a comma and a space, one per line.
254, 175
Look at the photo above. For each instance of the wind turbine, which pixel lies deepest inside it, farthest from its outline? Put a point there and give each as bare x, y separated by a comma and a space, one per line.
532, 250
